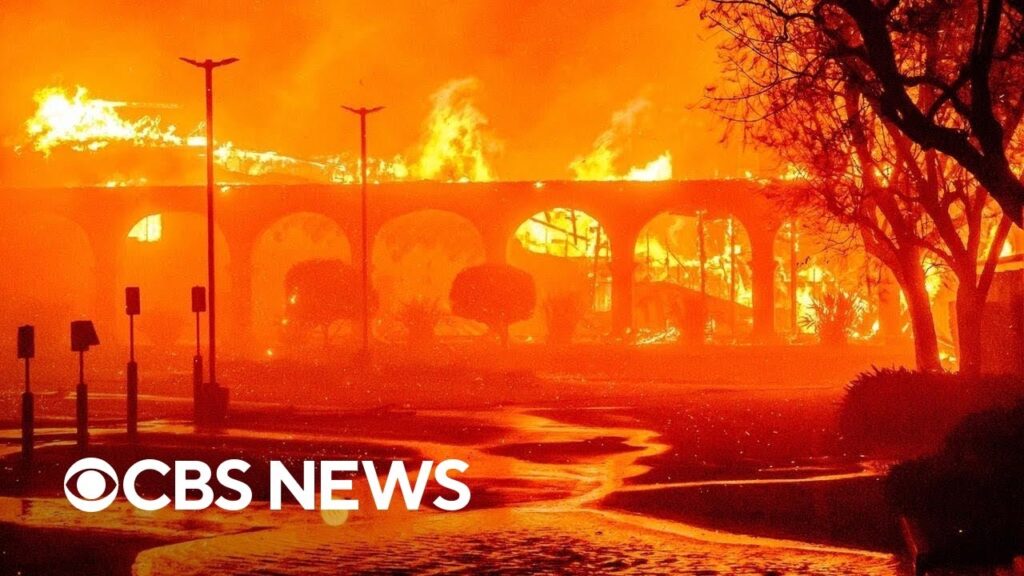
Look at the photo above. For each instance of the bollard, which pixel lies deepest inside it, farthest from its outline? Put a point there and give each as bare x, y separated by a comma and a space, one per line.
197, 385
82, 414
198, 403
83, 335
133, 401
132, 307
27, 424
26, 351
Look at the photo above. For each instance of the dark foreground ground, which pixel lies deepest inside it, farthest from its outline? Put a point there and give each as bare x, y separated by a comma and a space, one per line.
603, 474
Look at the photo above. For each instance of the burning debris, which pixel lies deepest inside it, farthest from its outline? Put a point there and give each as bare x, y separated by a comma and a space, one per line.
85, 123
457, 145
81, 123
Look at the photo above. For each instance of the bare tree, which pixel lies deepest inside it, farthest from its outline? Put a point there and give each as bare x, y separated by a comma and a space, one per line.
801, 88
946, 74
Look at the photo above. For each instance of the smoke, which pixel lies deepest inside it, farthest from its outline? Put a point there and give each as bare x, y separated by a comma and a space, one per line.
549, 72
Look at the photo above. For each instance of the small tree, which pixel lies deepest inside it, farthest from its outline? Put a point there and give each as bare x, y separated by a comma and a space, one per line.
321, 293
494, 294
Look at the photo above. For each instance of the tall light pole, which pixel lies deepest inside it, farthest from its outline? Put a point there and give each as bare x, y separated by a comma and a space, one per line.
363, 112
208, 66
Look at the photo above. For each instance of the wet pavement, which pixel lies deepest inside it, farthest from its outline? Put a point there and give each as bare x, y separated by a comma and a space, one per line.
553, 523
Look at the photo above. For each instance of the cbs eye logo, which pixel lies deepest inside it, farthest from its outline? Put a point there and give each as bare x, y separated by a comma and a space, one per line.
90, 484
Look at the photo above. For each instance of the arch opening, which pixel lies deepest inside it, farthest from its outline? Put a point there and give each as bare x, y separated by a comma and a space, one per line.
49, 280
415, 258
693, 280
568, 253
828, 295
164, 254
290, 240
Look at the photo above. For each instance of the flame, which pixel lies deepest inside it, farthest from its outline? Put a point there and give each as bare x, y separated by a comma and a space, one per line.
658, 169
795, 172
85, 123
343, 171
599, 164
662, 263
456, 146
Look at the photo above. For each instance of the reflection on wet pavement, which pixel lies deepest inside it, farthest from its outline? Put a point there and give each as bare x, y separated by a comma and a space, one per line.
557, 527
504, 541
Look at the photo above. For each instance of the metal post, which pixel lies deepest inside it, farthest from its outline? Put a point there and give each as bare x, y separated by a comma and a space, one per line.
208, 66
197, 374
133, 383
82, 404
27, 416
363, 112
211, 273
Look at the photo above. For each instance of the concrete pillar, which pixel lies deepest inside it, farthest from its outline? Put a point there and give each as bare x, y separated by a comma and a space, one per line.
763, 272
622, 266
622, 243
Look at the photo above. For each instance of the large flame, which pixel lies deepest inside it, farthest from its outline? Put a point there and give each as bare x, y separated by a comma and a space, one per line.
600, 162
456, 146
85, 123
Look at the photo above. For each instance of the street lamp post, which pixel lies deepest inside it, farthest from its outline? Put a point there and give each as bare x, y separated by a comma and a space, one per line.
363, 112
208, 66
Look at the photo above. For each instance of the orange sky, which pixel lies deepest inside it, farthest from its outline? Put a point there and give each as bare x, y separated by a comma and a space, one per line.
551, 73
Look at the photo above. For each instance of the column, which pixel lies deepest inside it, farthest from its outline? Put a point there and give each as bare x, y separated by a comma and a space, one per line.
622, 266
622, 236
763, 271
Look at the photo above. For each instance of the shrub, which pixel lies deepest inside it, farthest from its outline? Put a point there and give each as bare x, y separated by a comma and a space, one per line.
902, 412
420, 318
494, 294
832, 317
968, 500
562, 313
